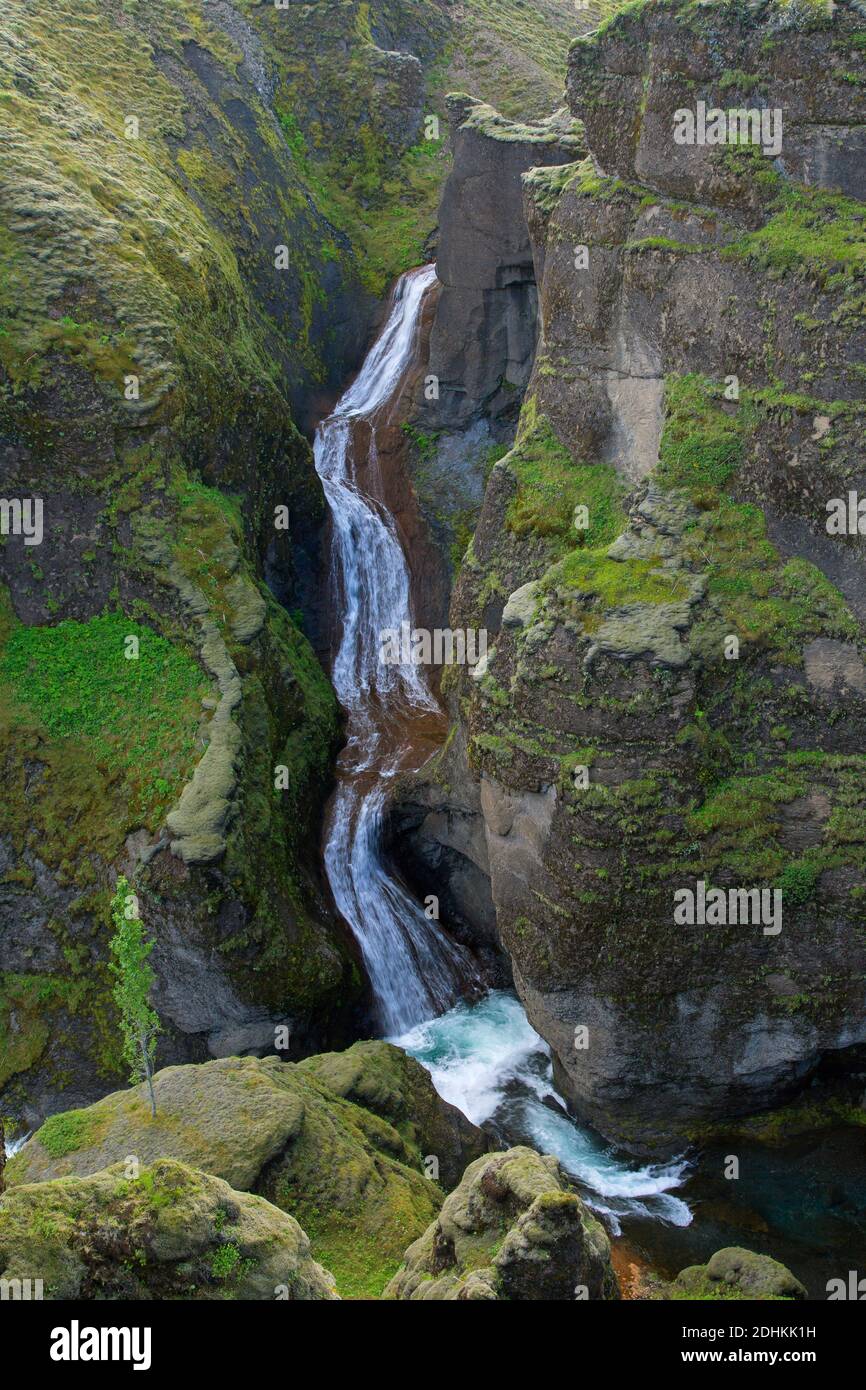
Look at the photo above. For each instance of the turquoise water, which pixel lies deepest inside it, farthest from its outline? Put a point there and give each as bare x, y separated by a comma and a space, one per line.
803, 1202
486, 1059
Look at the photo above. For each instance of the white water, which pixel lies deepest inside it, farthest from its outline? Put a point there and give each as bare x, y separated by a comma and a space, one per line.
484, 1057
414, 969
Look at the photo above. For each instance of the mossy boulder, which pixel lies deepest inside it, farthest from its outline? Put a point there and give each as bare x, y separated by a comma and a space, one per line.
513, 1229
737, 1273
354, 1180
384, 1079
168, 1232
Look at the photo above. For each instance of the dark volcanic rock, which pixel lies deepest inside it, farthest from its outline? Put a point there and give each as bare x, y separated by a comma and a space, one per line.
484, 334
674, 689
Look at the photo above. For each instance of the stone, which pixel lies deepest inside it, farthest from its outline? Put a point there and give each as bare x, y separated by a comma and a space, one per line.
170, 1232
512, 1230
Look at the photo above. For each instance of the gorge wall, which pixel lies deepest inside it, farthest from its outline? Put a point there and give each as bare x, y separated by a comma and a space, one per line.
675, 691
202, 205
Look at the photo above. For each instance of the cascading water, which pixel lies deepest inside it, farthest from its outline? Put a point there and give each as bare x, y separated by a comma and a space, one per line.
414, 969
484, 1057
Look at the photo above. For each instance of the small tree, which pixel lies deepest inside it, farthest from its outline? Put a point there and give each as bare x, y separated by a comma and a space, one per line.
135, 980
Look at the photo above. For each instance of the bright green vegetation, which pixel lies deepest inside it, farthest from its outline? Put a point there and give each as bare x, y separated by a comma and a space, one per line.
134, 982
741, 819
811, 232
552, 485
228, 1263
137, 715
616, 582
65, 1133
703, 436
775, 605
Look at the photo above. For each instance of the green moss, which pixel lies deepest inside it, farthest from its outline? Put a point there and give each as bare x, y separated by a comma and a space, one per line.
64, 1133
810, 232
551, 485
28, 1009
616, 583
138, 714
712, 1291
775, 606
703, 437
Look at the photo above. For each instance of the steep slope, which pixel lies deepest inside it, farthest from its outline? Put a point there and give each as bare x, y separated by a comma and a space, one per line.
676, 689
199, 205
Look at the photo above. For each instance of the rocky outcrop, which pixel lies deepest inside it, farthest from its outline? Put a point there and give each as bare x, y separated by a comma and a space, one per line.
384, 1079
164, 1232
201, 205
659, 63
483, 337
512, 1230
737, 1273
354, 1145
671, 696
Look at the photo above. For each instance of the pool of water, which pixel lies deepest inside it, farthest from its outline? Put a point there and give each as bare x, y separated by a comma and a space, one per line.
803, 1202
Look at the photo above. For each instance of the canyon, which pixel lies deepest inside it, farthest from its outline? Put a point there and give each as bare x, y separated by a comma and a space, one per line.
549, 376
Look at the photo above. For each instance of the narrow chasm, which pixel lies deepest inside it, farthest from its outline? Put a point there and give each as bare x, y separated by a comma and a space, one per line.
432, 652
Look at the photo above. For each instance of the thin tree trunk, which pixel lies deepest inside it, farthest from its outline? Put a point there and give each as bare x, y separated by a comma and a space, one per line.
2, 1155
148, 1072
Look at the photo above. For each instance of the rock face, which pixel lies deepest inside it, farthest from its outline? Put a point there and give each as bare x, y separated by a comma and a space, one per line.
483, 337
200, 206
344, 1142
672, 693
168, 1233
660, 63
737, 1273
511, 1230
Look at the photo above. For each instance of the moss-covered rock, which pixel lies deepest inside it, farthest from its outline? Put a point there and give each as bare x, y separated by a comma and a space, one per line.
675, 685
738, 1274
166, 1232
386, 1080
152, 350
513, 1229
355, 1172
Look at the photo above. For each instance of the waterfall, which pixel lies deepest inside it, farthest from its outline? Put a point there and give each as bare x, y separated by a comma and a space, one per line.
415, 970
484, 1056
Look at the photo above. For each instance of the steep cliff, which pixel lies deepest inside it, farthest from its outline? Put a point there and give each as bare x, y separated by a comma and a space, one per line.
201, 204
676, 689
